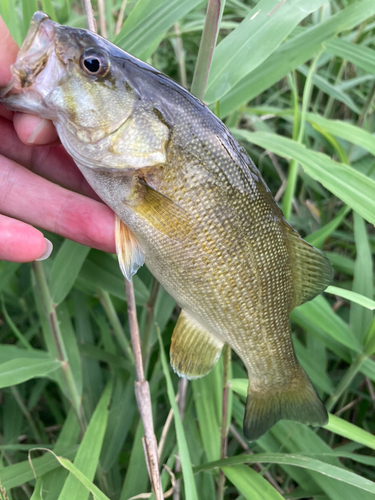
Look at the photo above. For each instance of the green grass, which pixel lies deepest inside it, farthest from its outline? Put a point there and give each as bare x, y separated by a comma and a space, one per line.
298, 84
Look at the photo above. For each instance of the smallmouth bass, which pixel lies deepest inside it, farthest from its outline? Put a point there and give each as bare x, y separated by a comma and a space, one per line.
192, 206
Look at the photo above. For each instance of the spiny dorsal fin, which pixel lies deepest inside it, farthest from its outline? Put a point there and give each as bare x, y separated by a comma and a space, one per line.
297, 401
312, 271
129, 251
194, 350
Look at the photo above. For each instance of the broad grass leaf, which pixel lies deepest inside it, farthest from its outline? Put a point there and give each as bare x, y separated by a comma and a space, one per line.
8, 11
7, 271
360, 317
65, 269
344, 130
352, 187
20, 370
148, 20
341, 476
20, 473
136, 480
325, 86
317, 238
28, 9
8, 352
208, 395
252, 42
251, 484
360, 55
87, 458
320, 314
189, 483
293, 53
101, 270
350, 431
71, 346
357, 298
53, 481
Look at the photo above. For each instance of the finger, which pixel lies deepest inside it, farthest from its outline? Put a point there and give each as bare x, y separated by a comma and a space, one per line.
8, 53
53, 163
21, 242
33, 130
28, 197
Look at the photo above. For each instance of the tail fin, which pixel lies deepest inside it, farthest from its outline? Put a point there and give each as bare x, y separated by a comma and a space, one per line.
298, 402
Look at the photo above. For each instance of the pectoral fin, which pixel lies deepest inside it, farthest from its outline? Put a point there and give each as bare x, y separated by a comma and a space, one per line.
312, 271
194, 350
161, 212
129, 251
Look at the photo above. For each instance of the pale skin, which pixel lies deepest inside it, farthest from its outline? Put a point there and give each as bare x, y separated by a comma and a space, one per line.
40, 184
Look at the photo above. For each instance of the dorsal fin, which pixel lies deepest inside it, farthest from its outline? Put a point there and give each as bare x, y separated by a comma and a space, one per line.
129, 252
194, 350
312, 271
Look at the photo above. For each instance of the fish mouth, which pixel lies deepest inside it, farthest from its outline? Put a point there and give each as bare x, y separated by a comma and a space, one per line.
35, 50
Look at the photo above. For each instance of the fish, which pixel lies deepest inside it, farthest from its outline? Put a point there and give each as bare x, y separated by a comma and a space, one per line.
190, 204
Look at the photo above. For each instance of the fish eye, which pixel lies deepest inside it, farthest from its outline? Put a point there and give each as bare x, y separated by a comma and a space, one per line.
94, 62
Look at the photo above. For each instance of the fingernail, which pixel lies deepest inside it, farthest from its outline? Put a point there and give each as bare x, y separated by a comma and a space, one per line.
37, 130
47, 253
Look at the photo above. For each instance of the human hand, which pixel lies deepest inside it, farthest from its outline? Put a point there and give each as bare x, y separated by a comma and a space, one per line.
40, 184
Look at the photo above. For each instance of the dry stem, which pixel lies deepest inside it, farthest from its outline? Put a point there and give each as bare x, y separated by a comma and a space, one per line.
142, 389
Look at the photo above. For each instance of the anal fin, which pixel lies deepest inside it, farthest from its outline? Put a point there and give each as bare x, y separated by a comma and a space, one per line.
129, 252
194, 350
312, 271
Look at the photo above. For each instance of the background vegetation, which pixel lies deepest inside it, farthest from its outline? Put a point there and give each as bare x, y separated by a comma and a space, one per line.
295, 82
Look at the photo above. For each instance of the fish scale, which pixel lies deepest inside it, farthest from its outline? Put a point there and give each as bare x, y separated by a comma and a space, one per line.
193, 207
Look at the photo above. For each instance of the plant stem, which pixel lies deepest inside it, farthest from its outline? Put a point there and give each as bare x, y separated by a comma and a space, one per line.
182, 388
143, 397
107, 304
224, 418
345, 381
13, 327
149, 322
49, 310
206, 48
180, 53
293, 167
26, 413
90, 16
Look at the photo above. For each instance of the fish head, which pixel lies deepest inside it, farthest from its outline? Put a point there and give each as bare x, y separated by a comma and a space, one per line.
82, 83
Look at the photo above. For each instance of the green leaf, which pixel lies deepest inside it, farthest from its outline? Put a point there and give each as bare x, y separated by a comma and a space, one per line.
148, 20
331, 90
360, 55
19, 370
87, 458
28, 9
352, 187
306, 462
20, 473
350, 431
189, 483
208, 397
344, 130
317, 238
251, 43
320, 314
352, 296
65, 269
252, 485
360, 318
293, 53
